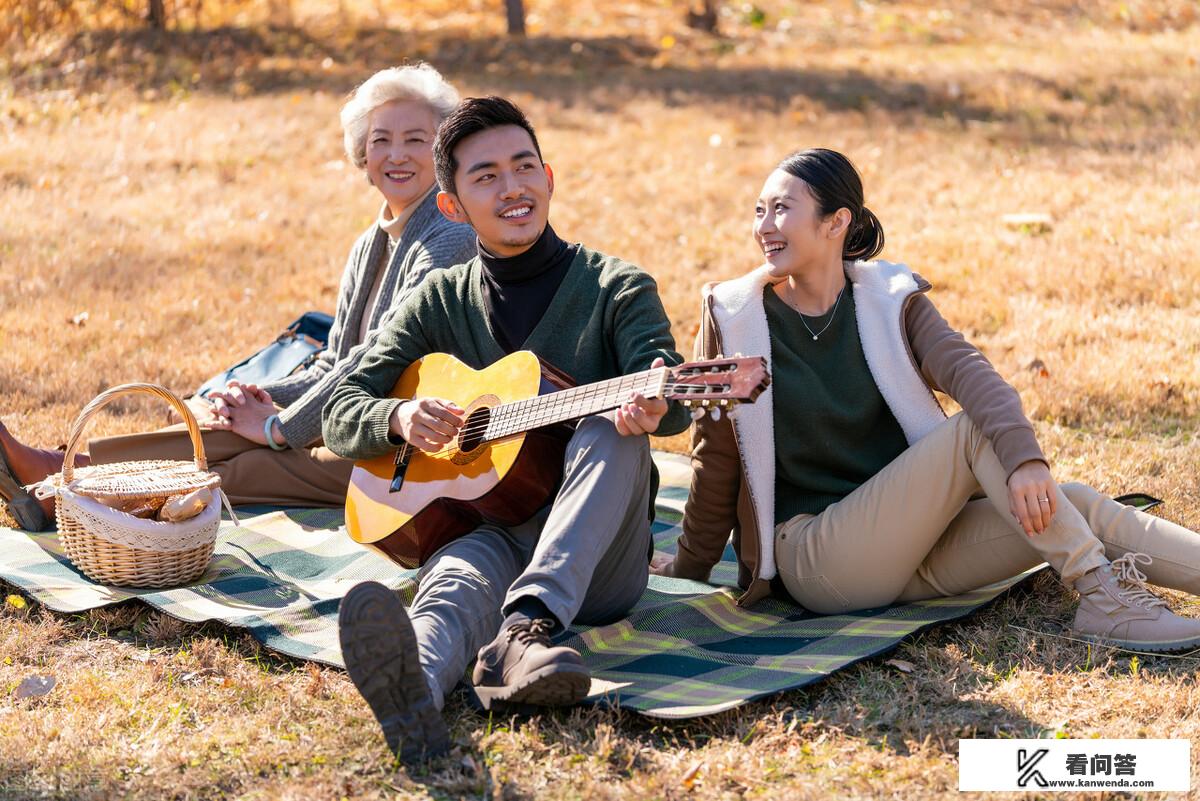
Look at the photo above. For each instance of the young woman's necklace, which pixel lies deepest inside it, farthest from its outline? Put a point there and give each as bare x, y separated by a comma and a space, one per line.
829, 322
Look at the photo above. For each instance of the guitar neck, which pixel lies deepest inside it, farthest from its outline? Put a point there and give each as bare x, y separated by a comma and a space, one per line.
571, 404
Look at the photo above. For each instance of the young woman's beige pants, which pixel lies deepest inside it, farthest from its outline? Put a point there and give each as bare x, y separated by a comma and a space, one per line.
913, 532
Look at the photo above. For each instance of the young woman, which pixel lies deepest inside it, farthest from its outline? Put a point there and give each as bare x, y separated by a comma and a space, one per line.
845, 480
265, 442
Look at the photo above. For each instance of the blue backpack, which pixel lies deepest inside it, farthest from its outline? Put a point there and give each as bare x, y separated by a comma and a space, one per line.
296, 347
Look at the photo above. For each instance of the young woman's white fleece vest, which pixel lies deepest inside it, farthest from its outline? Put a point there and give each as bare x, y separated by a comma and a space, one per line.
880, 289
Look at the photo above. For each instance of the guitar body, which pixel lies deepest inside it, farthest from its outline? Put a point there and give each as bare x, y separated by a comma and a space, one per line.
409, 510
506, 462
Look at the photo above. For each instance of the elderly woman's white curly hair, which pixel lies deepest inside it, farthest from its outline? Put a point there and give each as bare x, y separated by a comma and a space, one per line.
419, 82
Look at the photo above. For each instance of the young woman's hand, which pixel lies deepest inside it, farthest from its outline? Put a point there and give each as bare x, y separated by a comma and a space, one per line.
662, 565
1033, 496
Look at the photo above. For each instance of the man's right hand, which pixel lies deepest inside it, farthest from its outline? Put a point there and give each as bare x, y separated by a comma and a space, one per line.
427, 423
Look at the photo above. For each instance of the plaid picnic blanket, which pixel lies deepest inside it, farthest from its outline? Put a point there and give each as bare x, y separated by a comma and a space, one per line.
686, 650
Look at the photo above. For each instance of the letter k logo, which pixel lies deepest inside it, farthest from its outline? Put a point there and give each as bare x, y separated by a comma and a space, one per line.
1026, 762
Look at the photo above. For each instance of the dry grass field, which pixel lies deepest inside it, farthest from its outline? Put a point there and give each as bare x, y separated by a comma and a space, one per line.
188, 193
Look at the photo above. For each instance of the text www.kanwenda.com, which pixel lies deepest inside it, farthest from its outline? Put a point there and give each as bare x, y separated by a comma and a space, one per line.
1098, 783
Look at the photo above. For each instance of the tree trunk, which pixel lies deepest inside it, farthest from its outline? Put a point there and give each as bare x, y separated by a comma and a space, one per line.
515, 10
705, 19
157, 15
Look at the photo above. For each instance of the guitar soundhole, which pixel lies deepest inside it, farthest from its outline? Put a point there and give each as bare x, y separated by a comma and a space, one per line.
472, 439
474, 429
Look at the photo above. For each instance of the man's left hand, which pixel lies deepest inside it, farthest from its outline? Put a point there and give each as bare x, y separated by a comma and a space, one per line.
641, 415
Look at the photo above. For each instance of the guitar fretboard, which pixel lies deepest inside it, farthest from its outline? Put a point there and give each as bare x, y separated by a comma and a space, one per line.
571, 404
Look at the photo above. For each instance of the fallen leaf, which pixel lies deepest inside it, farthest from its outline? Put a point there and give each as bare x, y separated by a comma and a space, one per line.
692, 774
79, 319
35, 687
1029, 222
901, 665
15, 601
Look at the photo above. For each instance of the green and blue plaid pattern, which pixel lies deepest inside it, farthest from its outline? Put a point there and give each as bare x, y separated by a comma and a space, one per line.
685, 650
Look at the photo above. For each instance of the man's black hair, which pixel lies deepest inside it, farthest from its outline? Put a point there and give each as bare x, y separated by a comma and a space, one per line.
471, 116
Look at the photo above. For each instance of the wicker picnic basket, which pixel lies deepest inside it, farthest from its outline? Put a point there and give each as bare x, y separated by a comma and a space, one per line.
112, 547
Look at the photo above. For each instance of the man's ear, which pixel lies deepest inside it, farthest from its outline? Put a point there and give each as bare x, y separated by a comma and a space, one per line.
450, 208
549, 176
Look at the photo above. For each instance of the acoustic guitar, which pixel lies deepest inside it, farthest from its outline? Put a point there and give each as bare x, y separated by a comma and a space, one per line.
506, 462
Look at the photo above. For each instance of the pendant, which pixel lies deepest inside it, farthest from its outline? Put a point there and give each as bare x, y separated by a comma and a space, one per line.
814, 338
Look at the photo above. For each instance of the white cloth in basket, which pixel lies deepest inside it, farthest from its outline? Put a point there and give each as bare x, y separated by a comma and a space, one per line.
120, 528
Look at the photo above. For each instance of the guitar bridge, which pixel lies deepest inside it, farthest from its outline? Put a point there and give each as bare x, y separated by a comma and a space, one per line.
402, 459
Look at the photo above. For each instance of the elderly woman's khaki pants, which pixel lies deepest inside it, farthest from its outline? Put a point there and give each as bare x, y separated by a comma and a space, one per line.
250, 473
913, 532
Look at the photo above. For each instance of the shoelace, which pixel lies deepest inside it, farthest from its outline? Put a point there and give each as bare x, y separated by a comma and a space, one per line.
1133, 581
533, 631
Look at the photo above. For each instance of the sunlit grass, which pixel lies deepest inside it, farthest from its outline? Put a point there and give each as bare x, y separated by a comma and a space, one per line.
192, 210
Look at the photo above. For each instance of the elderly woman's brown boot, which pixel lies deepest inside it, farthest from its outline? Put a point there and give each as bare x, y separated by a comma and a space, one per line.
21, 466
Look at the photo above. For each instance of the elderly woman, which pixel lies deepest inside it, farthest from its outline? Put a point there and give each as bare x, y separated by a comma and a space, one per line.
264, 441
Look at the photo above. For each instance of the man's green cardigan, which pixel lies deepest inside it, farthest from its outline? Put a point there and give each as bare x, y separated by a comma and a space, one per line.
606, 320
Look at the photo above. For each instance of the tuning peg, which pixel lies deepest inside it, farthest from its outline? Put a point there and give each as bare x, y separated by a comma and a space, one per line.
737, 355
697, 414
723, 402
706, 403
720, 355
716, 413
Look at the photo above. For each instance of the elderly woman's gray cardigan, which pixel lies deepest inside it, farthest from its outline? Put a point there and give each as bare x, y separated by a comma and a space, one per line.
429, 242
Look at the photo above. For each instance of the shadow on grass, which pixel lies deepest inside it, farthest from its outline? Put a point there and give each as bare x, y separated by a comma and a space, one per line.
603, 72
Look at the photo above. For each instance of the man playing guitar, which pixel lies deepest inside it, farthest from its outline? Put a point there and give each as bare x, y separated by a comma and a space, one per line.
500, 592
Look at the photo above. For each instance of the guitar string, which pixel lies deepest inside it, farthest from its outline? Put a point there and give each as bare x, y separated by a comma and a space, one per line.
552, 405
447, 453
611, 400
501, 418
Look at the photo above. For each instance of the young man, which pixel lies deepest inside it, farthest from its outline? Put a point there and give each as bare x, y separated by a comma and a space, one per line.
500, 592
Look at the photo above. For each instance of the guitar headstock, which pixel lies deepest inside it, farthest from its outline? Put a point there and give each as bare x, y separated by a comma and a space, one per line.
715, 384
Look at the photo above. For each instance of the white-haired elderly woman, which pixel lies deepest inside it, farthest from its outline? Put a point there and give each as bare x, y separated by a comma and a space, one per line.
389, 124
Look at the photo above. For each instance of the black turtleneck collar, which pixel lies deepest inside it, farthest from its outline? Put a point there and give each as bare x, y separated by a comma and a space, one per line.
541, 257
518, 290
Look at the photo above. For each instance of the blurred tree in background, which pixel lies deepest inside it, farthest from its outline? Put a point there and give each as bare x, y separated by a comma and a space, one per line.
22, 21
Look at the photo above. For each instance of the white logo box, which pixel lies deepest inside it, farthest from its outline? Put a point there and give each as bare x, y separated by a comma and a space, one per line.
1073, 765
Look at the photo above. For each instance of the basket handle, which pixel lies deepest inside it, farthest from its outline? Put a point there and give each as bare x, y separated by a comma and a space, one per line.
104, 398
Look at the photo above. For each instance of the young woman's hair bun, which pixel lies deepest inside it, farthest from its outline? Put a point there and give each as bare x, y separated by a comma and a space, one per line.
835, 184
865, 240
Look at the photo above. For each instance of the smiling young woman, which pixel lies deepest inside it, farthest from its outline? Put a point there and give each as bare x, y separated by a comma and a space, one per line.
846, 486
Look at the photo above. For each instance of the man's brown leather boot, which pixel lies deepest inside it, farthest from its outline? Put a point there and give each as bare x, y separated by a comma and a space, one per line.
521, 667
1117, 608
379, 648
